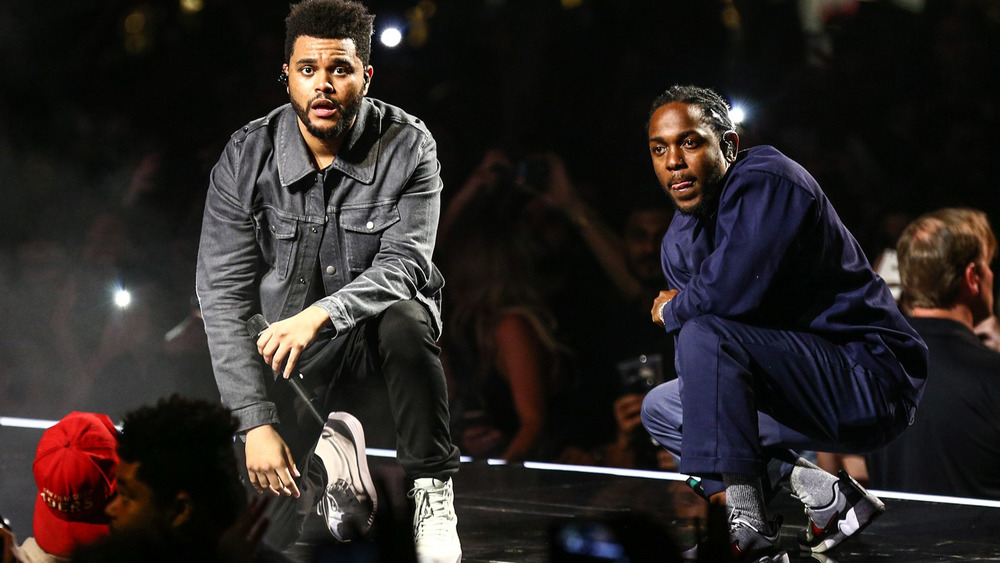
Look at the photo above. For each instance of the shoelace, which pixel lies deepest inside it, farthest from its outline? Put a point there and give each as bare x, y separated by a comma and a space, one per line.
435, 513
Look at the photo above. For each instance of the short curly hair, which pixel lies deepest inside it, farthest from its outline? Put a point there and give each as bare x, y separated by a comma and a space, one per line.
331, 19
186, 445
714, 109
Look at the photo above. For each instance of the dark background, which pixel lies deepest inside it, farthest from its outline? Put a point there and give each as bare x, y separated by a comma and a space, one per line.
112, 113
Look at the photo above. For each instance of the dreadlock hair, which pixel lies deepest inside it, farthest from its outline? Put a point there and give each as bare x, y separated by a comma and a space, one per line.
714, 109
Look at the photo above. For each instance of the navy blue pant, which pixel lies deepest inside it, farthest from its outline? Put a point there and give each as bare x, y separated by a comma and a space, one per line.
746, 396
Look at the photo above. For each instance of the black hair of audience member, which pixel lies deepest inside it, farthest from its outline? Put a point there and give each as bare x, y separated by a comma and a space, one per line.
186, 445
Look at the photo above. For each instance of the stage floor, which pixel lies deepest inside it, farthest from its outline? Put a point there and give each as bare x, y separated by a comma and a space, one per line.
508, 512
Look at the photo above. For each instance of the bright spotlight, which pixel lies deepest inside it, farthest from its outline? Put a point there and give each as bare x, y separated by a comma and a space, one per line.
737, 114
122, 298
391, 37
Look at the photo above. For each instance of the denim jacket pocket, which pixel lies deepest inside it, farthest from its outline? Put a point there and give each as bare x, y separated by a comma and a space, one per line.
363, 229
277, 234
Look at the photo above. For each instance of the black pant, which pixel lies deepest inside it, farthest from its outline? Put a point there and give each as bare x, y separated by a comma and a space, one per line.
397, 344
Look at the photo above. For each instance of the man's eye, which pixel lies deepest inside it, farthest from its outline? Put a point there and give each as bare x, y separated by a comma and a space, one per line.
659, 149
307, 71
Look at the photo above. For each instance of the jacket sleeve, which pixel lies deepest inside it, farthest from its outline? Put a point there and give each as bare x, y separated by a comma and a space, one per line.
402, 266
226, 282
761, 217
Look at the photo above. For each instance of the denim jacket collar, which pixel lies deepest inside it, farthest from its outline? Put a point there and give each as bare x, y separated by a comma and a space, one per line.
355, 159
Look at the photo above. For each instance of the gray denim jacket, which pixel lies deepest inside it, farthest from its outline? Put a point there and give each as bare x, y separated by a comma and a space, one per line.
266, 228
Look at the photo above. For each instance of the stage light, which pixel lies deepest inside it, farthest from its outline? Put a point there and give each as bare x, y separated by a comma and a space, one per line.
122, 298
737, 114
391, 37
192, 6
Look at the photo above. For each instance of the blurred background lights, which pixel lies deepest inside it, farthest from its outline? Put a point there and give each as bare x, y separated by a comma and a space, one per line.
122, 298
737, 114
391, 37
192, 6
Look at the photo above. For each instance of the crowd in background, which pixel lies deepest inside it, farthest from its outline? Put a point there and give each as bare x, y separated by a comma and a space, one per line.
550, 205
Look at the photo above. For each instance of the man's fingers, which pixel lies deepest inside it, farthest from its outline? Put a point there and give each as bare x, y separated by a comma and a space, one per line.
288, 470
278, 359
272, 483
293, 358
289, 487
255, 481
262, 341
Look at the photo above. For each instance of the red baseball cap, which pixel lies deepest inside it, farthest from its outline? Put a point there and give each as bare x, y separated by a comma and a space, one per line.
75, 472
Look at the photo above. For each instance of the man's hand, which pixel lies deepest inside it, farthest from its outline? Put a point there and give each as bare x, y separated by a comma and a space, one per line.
269, 462
627, 409
282, 342
988, 332
659, 302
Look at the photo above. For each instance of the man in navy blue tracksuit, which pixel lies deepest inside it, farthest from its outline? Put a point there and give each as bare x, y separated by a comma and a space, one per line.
785, 337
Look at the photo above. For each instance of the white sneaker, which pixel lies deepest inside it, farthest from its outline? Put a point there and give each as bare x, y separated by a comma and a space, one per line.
349, 502
435, 531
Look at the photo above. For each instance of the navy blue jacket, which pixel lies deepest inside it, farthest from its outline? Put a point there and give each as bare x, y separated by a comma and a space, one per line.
775, 254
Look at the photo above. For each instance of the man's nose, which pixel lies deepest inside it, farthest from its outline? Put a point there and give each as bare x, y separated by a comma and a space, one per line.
325, 82
674, 160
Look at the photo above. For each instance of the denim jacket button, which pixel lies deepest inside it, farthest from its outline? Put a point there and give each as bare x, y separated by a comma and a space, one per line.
315, 230
331, 270
370, 225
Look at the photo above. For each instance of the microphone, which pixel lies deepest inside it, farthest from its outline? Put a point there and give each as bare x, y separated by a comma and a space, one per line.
256, 326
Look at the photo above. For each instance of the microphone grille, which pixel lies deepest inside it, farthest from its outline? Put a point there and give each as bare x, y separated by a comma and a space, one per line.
256, 325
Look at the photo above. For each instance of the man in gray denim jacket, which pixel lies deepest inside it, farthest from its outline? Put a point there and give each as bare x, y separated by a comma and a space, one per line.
322, 216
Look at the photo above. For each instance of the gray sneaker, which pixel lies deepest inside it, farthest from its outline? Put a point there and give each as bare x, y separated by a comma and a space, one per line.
348, 505
435, 525
852, 509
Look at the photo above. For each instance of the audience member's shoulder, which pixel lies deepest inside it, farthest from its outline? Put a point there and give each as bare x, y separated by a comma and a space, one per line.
960, 340
30, 552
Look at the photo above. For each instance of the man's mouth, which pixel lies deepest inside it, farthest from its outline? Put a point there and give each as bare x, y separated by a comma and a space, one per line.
681, 186
324, 108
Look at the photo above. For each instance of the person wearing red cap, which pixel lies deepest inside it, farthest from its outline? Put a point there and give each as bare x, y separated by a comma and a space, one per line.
74, 467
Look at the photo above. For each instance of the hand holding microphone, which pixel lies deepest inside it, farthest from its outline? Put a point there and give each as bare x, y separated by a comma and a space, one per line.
271, 347
284, 343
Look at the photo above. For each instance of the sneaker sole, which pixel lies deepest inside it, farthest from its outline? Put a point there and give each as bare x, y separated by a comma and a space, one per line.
357, 435
780, 557
431, 559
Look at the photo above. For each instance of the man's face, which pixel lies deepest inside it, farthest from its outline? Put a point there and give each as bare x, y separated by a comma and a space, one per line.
326, 84
687, 157
134, 508
644, 230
